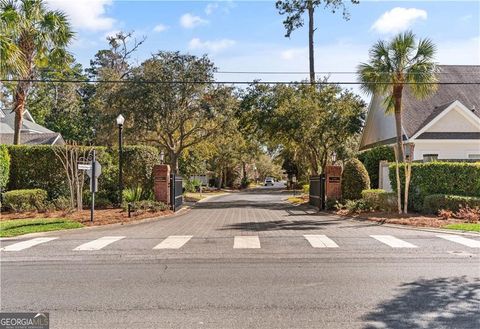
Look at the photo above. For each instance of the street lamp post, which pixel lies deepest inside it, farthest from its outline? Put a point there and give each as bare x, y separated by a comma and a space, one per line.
334, 157
120, 120
162, 157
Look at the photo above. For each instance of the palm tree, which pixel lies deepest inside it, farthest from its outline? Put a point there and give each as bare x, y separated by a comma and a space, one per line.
32, 38
396, 65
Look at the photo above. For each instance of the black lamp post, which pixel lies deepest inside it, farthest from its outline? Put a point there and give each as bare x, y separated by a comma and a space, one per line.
120, 121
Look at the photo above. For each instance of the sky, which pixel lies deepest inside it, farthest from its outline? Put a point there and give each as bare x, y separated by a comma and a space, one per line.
249, 35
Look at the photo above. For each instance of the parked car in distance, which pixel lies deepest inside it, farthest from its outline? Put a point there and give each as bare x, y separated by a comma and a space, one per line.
269, 181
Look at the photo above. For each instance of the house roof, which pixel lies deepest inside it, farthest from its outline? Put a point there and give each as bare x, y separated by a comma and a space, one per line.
34, 139
417, 113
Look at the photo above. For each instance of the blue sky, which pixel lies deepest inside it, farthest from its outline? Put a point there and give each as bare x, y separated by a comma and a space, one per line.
249, 35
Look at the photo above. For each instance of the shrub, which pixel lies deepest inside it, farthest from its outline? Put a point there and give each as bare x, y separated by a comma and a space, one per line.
192, 185
331, 204
4, 166
146, 205
353, 206
62, 203
371, 159
25, 200
453, 178
379, 199
137, 194
434, 203
354, 180
306, 188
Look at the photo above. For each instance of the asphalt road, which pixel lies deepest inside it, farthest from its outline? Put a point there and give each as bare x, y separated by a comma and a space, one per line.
246, 260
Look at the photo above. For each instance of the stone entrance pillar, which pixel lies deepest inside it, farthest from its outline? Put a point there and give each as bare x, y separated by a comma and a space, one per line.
334, 182
161, 183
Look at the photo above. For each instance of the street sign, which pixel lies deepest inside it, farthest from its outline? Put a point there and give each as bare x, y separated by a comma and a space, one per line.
98, 170
84, 166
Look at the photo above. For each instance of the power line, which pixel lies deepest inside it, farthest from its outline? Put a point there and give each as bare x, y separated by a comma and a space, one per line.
318, 72
229, 82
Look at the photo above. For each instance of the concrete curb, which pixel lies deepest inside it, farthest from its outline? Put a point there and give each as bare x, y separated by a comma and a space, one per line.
408, 227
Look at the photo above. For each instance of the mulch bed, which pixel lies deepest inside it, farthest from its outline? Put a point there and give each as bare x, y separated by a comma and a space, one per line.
102, 216
413, 219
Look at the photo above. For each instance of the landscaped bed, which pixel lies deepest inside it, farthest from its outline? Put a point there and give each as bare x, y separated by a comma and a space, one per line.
102, 216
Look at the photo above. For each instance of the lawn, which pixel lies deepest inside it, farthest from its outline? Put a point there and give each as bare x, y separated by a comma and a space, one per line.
9, 228
464, 227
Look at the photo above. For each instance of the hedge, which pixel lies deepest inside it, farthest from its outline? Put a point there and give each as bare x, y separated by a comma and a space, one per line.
354, 180
4, 166
379, 199
456, 178
38, 167
436, 202
371, 160
25, 200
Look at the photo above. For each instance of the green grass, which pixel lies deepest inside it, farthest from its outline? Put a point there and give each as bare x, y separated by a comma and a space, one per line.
464, 227
16, 227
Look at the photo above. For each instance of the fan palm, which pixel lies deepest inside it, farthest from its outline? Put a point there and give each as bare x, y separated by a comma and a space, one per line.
31, 37
396, 65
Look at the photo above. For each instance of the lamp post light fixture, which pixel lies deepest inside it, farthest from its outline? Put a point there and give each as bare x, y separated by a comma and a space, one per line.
120, 121
162, 157
334, 157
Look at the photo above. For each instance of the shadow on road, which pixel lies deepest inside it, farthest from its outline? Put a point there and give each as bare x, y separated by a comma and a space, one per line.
243, 204
279, 225
430, 304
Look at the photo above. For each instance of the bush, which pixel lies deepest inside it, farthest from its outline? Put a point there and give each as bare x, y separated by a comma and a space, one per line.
453, 178
306, 189
4, 166
62, 203
26, 200
371, 159
192, 185
379, 199
137, 194
353, 206
432, 204
331, 204
146, 205
354, 180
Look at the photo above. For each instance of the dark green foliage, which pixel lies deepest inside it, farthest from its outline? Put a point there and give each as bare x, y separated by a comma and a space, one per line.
457, 178
436, 202
379, 199
354, 180
39, 167
4, 166
371, 160
25, 200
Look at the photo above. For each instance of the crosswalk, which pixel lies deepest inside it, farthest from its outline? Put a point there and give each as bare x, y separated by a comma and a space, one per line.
245, 242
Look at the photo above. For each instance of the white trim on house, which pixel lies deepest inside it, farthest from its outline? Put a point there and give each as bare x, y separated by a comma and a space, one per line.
457, 104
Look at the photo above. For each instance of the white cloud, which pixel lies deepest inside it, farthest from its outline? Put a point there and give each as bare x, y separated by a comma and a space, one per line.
293, 53
86, 14
210, 8
213, 46
189, 21
398, 19
160, 28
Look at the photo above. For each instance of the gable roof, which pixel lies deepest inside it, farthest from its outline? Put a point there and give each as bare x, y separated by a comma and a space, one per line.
417, 114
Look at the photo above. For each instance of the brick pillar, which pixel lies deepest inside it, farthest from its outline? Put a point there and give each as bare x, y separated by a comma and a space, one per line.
334, 182
161, 185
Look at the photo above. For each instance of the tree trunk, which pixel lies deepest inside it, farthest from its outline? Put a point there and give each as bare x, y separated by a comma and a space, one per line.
397, 94
399, 187
19, 108
408, 172
311, 31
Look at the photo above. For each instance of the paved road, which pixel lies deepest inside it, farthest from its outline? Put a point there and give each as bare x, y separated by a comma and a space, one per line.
245, 260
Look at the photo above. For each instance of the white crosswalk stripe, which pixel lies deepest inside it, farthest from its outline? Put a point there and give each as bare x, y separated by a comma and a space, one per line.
99, 243
393, 241
459, 239
26, 244
246, 242
173, 242
320, 241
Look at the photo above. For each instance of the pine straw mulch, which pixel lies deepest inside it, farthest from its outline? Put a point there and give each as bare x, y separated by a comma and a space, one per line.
413, 219
101, 216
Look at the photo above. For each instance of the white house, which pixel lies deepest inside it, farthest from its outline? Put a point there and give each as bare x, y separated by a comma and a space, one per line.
446, 125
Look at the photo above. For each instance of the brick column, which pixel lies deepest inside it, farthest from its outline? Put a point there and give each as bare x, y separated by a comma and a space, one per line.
161, 185
333, 176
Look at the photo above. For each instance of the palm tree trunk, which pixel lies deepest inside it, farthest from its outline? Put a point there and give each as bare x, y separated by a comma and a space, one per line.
397, 94
19, 108
311, 31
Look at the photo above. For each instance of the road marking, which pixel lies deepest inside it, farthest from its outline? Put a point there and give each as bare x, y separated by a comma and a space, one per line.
393, 241
99, 243
321, 241
245, 242
26, 244
173, 242
459, 239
